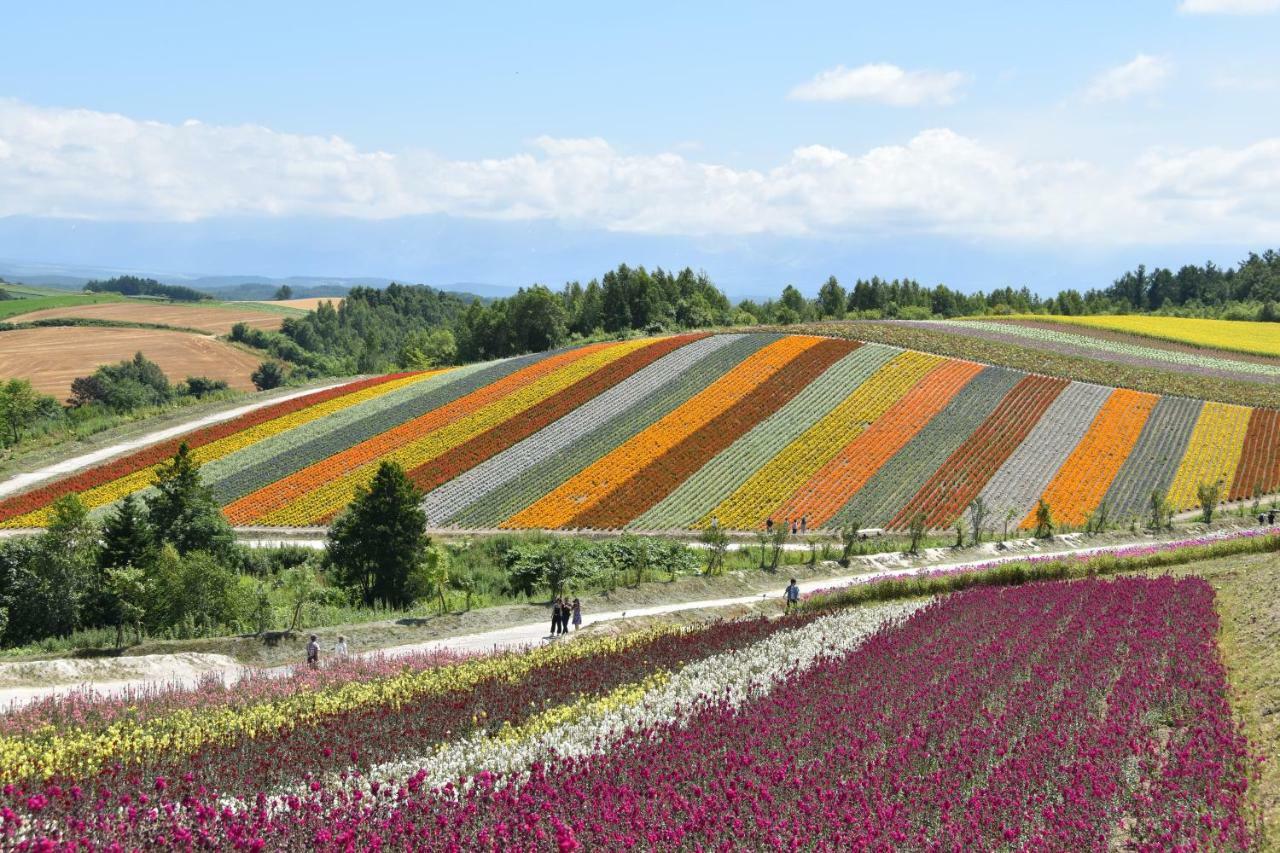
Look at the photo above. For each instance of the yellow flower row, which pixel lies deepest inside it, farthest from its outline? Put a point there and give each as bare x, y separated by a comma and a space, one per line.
50, 752
142, 478
337, 493
1212, 452
775, 481
1235, 335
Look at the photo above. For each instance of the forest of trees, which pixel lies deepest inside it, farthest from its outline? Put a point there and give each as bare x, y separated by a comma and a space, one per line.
128, 285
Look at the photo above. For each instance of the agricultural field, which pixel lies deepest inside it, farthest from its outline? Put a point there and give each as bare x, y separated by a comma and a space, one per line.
54, 356
32, 301
1091, 714
1144, 366
1121, 347
1235, 335
308, 304
216, 320
674, 433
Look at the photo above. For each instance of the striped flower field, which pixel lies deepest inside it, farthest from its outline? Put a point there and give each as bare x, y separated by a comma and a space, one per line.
674, 432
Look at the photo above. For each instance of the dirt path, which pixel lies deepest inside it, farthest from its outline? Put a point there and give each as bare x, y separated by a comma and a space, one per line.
187, 669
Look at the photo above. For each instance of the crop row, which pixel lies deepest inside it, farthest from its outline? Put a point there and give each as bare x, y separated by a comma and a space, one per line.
1083, 480
247, 470
698, 495
589, 486
19, 510
1154, 460
657, 479
279, 496
427, 441
970, 466
673, 433
1027, 356
1240, 336
1086, 343
888, 490
1025, 475
788, 465
497, 473
1259, 470
497, 439
1213, 451
612, 430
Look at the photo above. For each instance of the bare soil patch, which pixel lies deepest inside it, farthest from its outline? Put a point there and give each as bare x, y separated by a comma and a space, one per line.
51, 358
217, 321
310, 304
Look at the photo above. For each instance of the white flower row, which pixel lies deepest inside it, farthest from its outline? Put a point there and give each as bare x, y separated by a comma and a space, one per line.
733, 677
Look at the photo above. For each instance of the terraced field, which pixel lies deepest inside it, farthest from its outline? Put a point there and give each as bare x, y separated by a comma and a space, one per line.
675, 432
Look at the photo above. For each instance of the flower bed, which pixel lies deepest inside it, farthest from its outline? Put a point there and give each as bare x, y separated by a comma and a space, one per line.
1085, 715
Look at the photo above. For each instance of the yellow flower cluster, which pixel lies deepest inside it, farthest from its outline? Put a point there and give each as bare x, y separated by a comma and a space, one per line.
338, 492
1212, 452
50, 752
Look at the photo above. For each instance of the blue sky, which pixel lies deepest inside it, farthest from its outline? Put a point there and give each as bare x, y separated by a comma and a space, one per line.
980, 144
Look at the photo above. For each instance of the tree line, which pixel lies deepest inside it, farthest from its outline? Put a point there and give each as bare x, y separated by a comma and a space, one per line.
129, 285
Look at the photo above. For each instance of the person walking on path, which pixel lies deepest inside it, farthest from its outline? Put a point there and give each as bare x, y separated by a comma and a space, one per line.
555, 617
794, 527
313, 652
793, 595
768, 525
804, 524
340, 649
577, 614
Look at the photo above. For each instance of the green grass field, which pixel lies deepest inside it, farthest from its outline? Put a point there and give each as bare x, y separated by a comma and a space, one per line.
14, 307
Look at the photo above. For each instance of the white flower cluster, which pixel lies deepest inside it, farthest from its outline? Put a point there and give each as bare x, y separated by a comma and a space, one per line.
734, 677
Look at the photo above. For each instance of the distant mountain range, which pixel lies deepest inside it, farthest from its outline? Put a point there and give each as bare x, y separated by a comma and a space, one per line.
229, 287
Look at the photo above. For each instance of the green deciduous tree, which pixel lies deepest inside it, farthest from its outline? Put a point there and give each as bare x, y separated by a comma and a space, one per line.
21, 406
380, 539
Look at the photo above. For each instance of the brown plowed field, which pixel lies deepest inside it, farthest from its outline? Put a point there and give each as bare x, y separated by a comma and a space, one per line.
52, 357
215, 320
305, 304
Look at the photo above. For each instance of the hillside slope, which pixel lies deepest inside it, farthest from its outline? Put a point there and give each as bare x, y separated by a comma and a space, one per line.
668, 433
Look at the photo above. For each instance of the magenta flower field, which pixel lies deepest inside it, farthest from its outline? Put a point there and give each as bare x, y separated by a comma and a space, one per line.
1087, 715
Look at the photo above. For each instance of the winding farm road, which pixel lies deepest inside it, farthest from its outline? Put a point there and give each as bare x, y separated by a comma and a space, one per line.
188, 669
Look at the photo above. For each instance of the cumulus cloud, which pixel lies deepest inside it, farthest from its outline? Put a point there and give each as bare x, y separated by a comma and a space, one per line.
883, 83
85, 164
1229, 7
1141, 75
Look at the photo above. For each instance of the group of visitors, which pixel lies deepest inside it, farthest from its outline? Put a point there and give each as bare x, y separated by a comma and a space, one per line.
799, 526
1268, 517
313, 650
562, 611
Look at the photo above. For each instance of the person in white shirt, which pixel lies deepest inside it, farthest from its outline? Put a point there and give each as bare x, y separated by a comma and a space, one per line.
340, 648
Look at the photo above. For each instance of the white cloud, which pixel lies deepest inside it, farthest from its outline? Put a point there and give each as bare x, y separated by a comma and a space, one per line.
881, 82
1141, 75
85, 164
1229, 7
